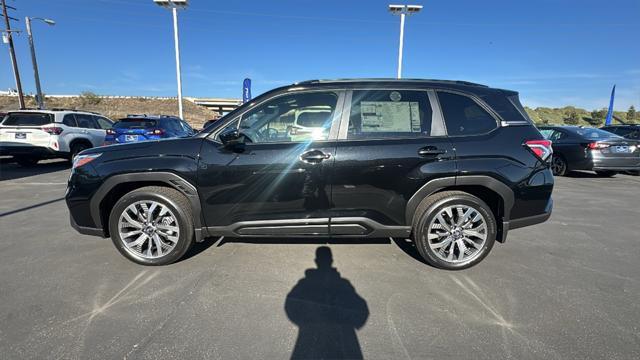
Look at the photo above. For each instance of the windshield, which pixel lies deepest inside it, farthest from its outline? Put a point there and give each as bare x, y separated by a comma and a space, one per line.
27, 119
596, 134
134, 124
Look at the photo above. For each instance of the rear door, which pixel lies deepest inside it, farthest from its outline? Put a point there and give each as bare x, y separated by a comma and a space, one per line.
90, 129
24, 129
391, 142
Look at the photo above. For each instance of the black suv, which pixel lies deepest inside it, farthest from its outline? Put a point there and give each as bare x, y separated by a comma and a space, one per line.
450, 164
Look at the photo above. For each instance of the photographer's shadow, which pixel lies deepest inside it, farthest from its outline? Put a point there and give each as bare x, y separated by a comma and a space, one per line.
327, 311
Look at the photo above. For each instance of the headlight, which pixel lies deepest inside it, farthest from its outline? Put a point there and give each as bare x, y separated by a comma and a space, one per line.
81, 160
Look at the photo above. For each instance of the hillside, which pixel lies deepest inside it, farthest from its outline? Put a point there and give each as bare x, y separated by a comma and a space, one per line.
544, 115
115, 108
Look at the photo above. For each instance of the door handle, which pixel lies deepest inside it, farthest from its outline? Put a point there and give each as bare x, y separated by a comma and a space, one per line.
314, 156
431, 151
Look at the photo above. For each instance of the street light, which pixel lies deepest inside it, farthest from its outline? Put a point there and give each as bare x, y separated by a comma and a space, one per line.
40, 97
403, 10
174, 5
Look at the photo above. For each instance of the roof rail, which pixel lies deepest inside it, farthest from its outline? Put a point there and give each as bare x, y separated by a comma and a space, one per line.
76, 110
459, 82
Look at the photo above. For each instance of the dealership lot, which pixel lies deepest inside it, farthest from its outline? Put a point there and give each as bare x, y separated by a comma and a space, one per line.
568, 288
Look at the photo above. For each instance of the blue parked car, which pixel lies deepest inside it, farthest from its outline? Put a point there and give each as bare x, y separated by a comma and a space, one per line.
147, 127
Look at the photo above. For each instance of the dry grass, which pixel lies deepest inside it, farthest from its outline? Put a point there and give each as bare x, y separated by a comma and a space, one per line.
117, 108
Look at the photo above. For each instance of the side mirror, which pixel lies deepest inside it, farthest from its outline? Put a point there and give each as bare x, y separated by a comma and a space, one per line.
233, 139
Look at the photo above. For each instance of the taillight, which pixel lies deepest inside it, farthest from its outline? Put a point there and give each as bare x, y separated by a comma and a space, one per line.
53, 130
111, 132
84, 159
597, 145
541, 148
155, 132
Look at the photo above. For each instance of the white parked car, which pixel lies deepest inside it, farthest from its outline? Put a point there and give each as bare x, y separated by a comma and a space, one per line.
33, 135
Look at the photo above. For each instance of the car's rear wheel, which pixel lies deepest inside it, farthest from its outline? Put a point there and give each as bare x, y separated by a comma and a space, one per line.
454, 230
558, 166
152, 225
77, 149
606, 173
26, 161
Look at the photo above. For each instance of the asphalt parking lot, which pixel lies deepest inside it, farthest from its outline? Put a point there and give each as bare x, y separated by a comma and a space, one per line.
568, 288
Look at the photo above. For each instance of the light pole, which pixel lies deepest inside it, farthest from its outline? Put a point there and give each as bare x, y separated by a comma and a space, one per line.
174, 5
12, 52
27, 20
403, 10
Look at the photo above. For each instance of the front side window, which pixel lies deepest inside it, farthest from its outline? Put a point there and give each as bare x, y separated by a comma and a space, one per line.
291, 118
463, 116
389, 114
103, 123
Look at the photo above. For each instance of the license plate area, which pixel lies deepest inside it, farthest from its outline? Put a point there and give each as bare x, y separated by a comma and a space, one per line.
21, 136
131, 138
621, 149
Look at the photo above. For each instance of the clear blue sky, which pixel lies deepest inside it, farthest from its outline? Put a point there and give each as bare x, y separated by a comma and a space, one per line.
554, 52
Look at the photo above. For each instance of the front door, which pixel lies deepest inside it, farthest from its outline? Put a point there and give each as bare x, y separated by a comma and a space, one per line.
279, 182
391, 142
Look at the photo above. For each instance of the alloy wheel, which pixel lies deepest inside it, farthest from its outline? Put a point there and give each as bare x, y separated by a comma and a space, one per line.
148, 229
457, 234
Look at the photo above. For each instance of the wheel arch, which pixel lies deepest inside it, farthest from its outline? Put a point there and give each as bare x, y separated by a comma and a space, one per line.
498, 196
116, 186
80, 140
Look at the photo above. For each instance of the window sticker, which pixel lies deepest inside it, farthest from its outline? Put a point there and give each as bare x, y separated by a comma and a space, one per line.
395, 96
385, 116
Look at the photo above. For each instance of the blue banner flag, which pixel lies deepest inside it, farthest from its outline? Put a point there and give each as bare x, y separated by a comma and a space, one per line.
246, 90
610, 112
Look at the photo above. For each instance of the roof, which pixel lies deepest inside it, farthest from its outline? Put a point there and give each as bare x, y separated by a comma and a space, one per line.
53, 110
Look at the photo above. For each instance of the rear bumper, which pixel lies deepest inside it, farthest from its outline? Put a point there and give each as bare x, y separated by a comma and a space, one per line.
85, 230
526, 221
616, 163
39, 151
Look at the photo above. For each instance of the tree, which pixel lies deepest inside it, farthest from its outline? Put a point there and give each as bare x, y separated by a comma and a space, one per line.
631, 113
572, 117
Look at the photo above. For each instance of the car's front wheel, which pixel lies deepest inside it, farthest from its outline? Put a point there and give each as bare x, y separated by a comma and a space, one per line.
454, 230
152, 225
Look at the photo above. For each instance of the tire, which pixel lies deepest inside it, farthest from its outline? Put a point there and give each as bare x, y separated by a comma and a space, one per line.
76, 149
26, 161
606, 173
178, 216
559, 166
436, 206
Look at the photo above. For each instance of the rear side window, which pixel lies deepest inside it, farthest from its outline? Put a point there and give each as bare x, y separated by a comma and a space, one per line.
27, 119
134, 124
86, 121
379, 114
463, 116
70, 120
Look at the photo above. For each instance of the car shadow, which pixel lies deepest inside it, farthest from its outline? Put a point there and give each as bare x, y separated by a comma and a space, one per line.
12, 171
327, 310
582, 175
26, 208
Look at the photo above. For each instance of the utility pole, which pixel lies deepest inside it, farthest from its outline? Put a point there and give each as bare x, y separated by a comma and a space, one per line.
36, 74
12, 53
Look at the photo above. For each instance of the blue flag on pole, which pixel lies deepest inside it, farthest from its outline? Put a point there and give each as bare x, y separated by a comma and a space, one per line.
246, 90
610, 112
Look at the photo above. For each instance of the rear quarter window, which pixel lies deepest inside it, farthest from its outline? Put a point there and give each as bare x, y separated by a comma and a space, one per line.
464, 116
27, 119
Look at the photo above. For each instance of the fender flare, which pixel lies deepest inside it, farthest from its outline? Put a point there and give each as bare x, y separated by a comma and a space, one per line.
172, 180
435, 185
